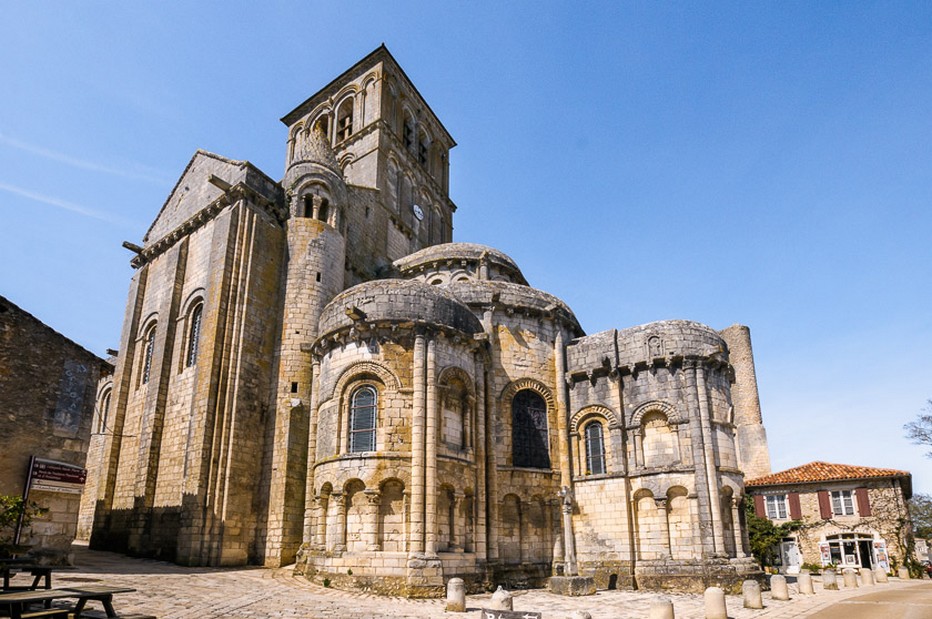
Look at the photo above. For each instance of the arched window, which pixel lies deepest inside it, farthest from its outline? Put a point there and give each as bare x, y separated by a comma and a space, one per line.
595, 449
529, 443
362, 420
103, 412
148, 347
345, 120
194, 333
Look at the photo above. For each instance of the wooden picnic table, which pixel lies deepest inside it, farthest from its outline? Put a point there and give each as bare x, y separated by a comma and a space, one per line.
19, 602
38, 572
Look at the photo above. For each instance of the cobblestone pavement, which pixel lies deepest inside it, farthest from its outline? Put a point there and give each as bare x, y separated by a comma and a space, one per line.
173, 592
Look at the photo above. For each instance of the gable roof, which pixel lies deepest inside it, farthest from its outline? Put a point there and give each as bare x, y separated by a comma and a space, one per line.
823, 471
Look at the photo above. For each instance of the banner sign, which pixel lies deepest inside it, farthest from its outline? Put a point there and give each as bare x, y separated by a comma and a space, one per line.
52, 476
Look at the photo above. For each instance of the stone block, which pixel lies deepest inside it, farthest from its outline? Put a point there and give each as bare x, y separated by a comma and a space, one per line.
572, 586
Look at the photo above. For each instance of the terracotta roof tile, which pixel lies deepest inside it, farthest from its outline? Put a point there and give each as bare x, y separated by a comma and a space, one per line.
822, 471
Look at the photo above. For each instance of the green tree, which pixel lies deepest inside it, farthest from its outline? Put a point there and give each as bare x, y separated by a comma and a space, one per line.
920, 510
12, 508
764, 535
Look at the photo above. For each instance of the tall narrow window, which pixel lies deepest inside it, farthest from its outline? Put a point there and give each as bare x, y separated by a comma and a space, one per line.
324, 211
148, 346
529, 440
103, 413
362, 420
345, 120
408, 134
595, 449
194, 332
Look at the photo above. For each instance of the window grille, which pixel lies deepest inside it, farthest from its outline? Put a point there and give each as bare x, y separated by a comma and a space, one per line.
147, 354
595, 449
194, 333
362, 420
529, 439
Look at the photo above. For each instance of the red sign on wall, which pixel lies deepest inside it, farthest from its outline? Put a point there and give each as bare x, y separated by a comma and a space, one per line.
52, 476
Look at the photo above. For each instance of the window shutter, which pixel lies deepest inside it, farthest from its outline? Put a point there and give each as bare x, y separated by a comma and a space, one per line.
796, 512
825, 505
759, 506
864, 503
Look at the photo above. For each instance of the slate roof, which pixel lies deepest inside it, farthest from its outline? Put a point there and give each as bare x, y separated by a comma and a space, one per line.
823, 471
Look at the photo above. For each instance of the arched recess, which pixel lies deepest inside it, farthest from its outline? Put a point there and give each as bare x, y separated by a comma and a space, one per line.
584, 443
392, 515
362, 369
649, 525
355, 520
536, 545
655, 405
509, 539
457, 405
447, 531
679, 515
507, 400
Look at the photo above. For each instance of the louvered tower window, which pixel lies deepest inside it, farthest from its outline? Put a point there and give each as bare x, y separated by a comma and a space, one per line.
529, 442
194, 332
362, 420
595, 449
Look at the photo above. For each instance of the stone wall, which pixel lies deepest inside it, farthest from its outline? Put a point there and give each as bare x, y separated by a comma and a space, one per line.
47, 399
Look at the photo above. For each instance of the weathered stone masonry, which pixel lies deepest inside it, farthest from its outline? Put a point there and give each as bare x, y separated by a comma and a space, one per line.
393, 409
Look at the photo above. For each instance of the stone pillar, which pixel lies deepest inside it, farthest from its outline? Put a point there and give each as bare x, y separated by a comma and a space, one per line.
556, 520
568, 540
311, 502
418, 455
480, 523
430, 464
829, 580
805, 583
880, 575
737, 528
456, 596
371, 527
715, 608
750, 589
320, 534
664, 526
715, 502
851, 579
338, 530
867, 577
661, 609
704, 515
778, 588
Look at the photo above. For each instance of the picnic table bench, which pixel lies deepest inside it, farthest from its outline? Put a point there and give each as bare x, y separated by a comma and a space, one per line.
19, 602
39, 573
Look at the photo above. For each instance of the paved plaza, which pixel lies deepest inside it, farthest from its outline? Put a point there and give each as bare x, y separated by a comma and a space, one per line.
173, 592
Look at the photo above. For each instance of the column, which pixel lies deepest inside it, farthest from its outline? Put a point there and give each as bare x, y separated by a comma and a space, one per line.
320, 534
555, 524
480, 523
418, 414
737, 528
568, 540
665, 545
371, 527
715, 501
312, 503
430, 464
696, 435
638, 446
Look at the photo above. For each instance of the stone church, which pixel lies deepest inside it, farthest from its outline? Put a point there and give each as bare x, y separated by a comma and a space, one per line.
310, 371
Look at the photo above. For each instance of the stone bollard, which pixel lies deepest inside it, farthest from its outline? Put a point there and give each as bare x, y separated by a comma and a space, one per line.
661, 609
715, 604
579, 614
880, 575
851, 579
778, 588
502, 600
456, 596
867, 577
903, 573
750, 589
804, 580
829, 580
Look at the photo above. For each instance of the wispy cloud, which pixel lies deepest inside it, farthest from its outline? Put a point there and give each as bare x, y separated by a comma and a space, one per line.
137, 172
63, 204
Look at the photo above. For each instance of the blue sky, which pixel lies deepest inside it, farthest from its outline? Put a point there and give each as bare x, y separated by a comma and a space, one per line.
761, 163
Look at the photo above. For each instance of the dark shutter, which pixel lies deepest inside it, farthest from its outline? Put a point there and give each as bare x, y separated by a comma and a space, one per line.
864, 503
796, 512
825, 505
759, 506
